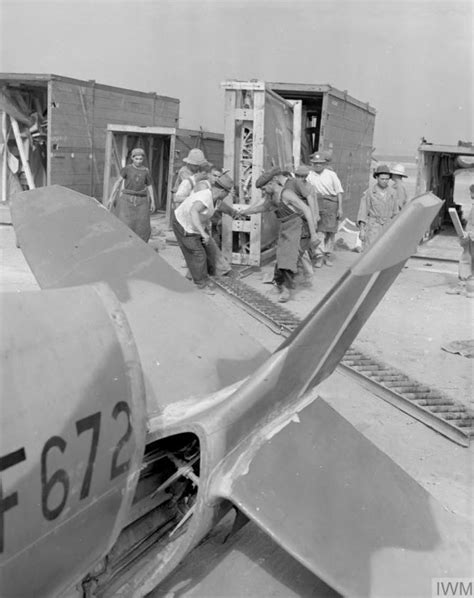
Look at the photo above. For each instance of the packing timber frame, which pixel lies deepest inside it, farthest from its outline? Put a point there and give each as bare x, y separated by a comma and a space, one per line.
246, 156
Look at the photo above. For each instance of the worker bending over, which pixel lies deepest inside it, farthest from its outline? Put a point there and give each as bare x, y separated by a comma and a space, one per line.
297, 229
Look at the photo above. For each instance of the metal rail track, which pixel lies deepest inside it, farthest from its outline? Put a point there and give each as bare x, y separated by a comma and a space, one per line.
428, 405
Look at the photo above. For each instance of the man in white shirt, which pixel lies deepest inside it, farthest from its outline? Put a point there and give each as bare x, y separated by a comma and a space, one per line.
189, 222
329, 191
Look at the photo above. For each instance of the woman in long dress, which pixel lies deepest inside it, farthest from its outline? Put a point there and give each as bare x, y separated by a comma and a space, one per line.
136, 201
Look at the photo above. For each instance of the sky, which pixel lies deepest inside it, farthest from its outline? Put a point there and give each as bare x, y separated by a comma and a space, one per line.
412, 60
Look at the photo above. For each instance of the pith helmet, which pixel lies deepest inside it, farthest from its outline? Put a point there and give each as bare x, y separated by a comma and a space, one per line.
398, 169
195, 157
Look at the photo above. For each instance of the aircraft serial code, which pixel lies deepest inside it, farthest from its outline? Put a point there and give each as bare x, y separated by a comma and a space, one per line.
60, 477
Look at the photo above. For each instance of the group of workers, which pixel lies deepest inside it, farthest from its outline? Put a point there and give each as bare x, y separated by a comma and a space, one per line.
307, 204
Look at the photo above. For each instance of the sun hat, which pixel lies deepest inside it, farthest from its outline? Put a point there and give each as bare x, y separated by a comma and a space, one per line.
195, 157
382, 169
225, 182
398, 169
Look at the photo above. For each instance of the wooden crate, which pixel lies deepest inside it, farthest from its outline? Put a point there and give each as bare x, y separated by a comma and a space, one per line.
343, 127
322, 119
252, 144
78, 113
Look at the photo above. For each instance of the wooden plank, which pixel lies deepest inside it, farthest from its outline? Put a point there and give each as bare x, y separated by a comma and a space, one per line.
67, 102
4, 157
124, 151
50, 118
239, 85
23, 156
299, 87
324, 117
257, 168
107, 167
421, 185
117, 128
243, 114
229, 164
170, 178
89, 130
63, 83
297, 111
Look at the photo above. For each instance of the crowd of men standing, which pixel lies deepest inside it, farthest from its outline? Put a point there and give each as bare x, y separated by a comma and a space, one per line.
308, 204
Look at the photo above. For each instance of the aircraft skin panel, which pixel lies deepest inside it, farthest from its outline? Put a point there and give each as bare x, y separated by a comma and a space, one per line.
187, 348
346, 511
72, 434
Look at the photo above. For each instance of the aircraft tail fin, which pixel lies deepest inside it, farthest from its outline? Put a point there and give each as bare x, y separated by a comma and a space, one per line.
314, 349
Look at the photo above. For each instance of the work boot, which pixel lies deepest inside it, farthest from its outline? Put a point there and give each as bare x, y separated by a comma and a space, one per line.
318, 262
328, 260
285, 295
470, 289
455, 290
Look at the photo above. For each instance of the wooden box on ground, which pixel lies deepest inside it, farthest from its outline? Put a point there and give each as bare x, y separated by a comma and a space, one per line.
269, 124
65, 123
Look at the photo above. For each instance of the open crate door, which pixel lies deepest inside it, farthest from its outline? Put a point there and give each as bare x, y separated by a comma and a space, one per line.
158, 143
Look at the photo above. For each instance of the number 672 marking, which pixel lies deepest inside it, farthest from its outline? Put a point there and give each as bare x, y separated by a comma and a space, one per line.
60, 476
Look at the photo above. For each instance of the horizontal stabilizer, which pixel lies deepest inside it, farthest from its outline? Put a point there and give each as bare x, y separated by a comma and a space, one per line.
345, 510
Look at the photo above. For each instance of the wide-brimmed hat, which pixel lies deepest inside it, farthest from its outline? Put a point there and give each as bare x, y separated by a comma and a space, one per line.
302, 170
267, 176
225, 182
382, 169
317, 158
398, 169
196, 157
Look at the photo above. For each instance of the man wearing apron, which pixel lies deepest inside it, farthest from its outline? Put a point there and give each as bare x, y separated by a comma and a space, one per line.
329, 192
297, 230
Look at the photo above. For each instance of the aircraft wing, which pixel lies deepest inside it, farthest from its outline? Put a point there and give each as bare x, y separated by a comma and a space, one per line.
187, 348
